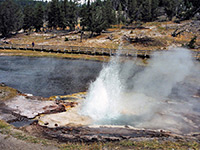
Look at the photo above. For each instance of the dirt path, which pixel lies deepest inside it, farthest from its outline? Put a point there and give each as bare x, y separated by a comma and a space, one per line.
11, 143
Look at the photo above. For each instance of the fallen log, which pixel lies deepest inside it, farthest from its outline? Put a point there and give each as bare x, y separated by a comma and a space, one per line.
176, 32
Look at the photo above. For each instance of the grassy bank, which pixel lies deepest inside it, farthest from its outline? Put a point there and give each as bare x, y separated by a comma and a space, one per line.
9, 130
7, 92
137, 145
55, 55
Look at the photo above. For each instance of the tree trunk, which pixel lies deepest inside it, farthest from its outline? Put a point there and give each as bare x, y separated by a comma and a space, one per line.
91, 35
81, 36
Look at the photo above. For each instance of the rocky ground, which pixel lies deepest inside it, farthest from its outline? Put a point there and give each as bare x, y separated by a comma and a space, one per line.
32, 135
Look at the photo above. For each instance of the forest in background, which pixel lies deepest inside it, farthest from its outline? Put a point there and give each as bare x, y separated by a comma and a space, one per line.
91, 16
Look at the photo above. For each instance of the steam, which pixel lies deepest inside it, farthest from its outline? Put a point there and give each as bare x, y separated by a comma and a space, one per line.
165, 71
146, 97
47, 76
104, 94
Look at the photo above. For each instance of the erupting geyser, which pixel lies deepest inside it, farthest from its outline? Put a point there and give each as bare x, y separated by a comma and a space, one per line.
159, 96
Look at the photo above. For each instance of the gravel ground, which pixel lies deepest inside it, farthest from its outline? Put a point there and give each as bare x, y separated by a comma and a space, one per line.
11, 143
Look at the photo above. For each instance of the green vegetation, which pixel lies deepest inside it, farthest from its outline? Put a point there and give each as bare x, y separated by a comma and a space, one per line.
7, 93
22, 136
4, 125
11, 17
192, 42
7, 129
54, 16
28, 14
66, 39
69, 11
139, 145
38, 16
94, 16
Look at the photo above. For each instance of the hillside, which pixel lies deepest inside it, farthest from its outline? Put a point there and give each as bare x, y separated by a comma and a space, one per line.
146, 36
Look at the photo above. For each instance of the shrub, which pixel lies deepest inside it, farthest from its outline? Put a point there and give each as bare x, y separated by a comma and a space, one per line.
66, 39
192, 42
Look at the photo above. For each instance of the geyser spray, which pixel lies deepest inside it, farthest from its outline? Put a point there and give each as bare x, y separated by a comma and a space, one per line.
127, 94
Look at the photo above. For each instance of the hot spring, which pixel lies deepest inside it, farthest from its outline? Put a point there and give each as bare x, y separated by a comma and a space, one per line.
162, 95
48, 76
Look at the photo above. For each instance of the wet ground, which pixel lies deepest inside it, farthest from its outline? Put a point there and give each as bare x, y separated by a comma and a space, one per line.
48, 76
35, 75
104, 133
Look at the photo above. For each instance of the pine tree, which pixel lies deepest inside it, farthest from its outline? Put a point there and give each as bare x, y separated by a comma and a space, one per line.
196, 5
154, 9
132, 10
98, 22
38, 16
187, 9
28, 17
85, 15
146, 13
11, 17
23, 3
94, 18
119, 14
170, 8
109, 13
149, 10
55, 17
64, 12
70, 14
18, 18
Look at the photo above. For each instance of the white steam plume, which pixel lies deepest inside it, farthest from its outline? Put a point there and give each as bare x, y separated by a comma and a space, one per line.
164, 72
148, 97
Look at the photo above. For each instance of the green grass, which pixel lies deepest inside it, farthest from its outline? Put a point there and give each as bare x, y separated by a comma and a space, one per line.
4, 125
161, 28
82, 146
155, 144
31, 139
8, 130
138, 145
10, 93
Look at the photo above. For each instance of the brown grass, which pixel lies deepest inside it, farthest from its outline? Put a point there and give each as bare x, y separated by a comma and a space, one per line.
56, 55
159, 31
7, 92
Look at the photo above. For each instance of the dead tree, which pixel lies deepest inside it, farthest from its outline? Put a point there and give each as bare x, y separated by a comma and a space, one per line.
176, 32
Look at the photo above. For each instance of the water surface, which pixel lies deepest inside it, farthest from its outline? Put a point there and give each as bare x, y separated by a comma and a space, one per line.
48, 76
